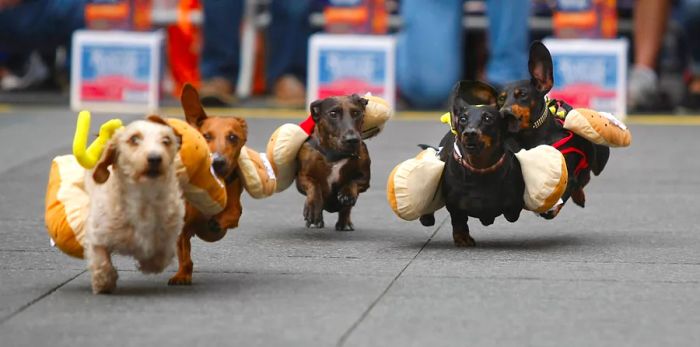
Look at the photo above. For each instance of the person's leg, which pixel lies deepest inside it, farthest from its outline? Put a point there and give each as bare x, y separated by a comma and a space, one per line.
40, 25
691, 25
509, 36
429, 50
221, 43
288, 37
650, 18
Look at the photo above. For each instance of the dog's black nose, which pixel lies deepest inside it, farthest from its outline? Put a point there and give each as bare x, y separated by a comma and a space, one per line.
154, 159
351, 139
469, 132
218, 163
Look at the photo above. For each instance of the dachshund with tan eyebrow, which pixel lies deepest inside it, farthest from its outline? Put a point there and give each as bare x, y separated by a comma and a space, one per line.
532, 122
482, 177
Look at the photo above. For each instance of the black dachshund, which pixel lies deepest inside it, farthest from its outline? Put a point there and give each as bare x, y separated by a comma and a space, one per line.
530, 118
482, 177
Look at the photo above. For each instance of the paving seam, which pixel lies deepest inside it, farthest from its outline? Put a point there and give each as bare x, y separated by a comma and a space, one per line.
29, 304
364, 315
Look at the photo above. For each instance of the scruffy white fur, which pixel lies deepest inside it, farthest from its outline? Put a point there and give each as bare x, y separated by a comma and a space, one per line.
138, 210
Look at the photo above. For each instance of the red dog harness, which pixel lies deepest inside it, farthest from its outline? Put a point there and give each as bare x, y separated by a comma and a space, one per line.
583, 162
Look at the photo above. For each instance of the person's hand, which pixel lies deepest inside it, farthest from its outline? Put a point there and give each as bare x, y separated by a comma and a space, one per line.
4, 4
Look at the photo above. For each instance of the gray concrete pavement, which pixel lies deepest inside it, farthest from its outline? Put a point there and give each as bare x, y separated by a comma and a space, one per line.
623, 271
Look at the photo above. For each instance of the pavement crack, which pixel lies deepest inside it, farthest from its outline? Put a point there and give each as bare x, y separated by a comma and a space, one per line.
364, 315
42, 296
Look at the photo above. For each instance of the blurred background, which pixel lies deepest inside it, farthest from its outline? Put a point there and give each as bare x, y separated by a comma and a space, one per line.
256, 53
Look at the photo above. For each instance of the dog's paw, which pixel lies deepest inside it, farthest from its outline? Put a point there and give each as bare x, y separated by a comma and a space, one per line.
313, 215
487, 221
552, 213
315, 225
579, 197
213, 225
344, 227
463, 240
104, 281
427, 220
180, 279
346, 199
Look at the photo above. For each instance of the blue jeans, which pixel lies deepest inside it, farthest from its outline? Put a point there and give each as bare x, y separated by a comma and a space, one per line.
287, 39
40, 25
429, 48
691, 24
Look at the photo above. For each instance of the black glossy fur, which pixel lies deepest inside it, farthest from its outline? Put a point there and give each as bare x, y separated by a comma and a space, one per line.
482, 139
522, 103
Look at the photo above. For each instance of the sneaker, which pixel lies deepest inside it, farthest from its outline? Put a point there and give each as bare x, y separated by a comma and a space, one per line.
642, 90
289, 92
35, 74
217, 92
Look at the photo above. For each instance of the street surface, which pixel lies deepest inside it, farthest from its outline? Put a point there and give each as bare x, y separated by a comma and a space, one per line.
624, 271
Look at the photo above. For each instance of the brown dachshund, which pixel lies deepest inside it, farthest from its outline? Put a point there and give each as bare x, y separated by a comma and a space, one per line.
333, 164
225, 136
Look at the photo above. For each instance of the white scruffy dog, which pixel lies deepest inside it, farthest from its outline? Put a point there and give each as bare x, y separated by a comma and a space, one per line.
136, 206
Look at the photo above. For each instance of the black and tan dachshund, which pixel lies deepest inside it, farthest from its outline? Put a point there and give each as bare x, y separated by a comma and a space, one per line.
482, 177
531, 120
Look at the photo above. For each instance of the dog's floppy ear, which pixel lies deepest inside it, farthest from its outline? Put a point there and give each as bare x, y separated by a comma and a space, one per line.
109, 156
194, 112
474, 93
315, 109
157, 119
358, 100
540, 66
244, 126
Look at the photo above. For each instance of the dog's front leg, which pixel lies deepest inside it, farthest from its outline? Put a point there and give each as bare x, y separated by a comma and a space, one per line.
313, 207
104, 275
185, 265
460, 229
232, 214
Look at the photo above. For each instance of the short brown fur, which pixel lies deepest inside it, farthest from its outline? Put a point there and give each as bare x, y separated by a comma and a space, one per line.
334, 164
225, 136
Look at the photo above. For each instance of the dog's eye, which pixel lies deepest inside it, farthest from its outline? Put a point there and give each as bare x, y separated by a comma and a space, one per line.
488, 119
333, 114
355, 114
167, 141
232, 138
207, 136
134, 140
462, 120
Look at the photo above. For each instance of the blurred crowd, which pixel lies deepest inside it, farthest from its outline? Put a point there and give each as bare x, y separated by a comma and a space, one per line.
35, 34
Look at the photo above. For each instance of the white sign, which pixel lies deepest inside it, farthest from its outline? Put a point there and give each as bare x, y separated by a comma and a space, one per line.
347, 64
116, 71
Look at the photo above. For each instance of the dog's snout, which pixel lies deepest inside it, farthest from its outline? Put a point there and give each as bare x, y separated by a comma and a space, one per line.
508, 112
469, 132
218, 162
351, 139
154, 159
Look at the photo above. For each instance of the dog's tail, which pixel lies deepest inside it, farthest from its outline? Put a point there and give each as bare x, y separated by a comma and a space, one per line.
424, 147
